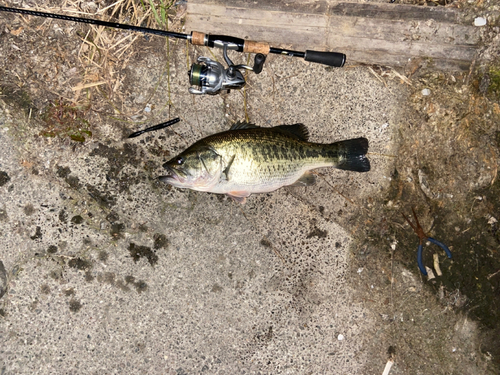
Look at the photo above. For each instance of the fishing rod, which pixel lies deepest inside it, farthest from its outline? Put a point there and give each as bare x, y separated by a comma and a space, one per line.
210, 76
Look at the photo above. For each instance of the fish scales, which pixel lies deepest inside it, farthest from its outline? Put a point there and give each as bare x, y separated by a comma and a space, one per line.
263, 157
249, 159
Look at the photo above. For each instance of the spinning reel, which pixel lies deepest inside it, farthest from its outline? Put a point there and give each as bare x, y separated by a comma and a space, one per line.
211, 77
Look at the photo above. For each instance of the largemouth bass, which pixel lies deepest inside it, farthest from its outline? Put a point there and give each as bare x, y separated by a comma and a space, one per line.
248, 159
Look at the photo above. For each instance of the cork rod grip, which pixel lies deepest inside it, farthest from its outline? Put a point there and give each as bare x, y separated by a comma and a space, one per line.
256, 47
197, 38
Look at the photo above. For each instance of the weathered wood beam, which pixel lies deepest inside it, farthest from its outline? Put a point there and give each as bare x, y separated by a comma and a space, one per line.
372, 33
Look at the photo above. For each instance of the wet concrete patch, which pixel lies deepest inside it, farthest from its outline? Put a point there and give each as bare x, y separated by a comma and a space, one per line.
3, 279
117, 230
137, 252
29, 209
65, 174
102, 198
103, 256
38, 233
52, 249
4, 178
63, 216
75, 305
160, 241
117, 159
80, 264
139, 285
17, 97
316, 232
77, 219
45, 289
3, 215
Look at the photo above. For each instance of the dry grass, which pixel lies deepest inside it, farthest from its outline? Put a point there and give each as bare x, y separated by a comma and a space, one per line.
104, 53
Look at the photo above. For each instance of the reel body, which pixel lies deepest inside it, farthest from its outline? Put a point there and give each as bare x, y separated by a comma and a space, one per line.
211, 77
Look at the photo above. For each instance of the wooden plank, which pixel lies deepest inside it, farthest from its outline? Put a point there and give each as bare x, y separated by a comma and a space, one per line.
395, 12
404, 31
372, 33
399, 53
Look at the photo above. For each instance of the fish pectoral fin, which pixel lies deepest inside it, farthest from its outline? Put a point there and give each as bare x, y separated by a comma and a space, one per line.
239, 196
307, 179
225, 172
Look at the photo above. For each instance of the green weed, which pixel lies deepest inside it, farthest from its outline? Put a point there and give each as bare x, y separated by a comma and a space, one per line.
65, 120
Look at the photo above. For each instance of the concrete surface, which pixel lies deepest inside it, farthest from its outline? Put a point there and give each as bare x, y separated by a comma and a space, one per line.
111, 272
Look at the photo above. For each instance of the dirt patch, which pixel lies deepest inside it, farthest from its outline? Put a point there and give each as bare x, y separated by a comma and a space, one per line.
446, 168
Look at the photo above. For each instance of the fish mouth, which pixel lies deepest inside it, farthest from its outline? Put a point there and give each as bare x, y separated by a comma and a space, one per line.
167, 179
170, 176
173, 177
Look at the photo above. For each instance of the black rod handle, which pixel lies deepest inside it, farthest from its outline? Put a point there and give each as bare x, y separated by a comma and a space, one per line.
327, 58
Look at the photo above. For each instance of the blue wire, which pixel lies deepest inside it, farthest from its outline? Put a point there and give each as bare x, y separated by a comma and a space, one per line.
441, 245
419, 260
420, 249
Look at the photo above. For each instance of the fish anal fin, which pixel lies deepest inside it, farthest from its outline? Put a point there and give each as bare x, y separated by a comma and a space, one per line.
239, 196
307, 179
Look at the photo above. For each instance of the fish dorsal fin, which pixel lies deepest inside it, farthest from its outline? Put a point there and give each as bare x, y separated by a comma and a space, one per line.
297, 130
243, 125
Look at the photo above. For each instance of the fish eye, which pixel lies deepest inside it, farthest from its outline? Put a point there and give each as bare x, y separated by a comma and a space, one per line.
179, 160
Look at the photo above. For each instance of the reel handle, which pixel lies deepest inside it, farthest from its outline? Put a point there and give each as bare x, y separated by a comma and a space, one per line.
326, 58
258, 64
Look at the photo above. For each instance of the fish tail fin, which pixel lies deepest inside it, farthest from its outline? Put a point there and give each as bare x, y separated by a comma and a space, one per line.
351, 155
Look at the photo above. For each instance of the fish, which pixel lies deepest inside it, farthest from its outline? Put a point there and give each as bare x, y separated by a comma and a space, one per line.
248, 159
